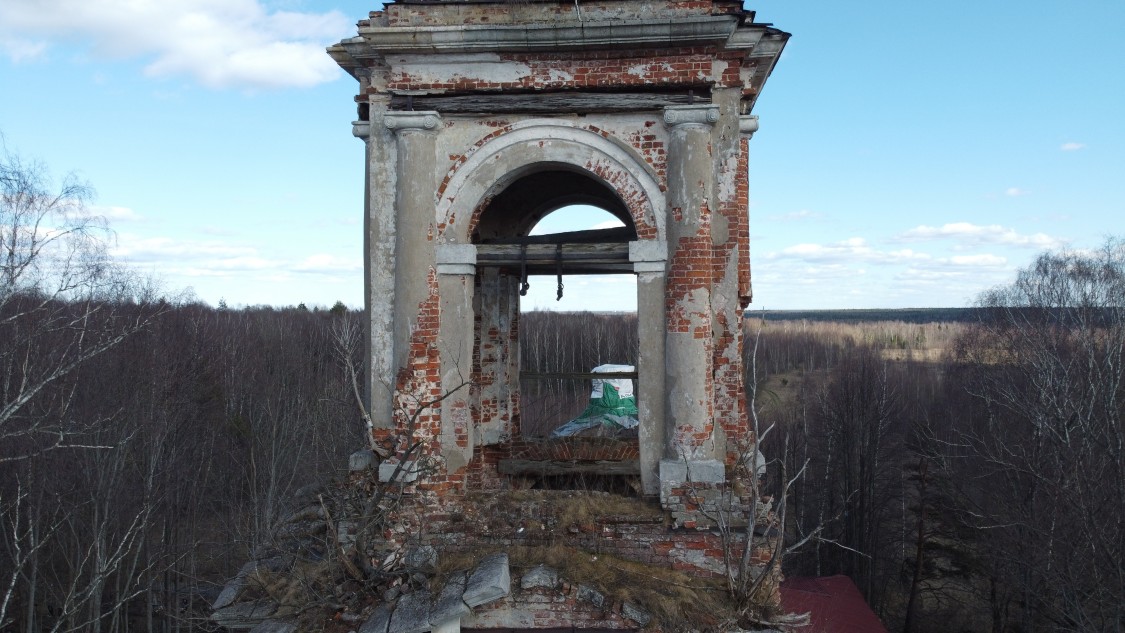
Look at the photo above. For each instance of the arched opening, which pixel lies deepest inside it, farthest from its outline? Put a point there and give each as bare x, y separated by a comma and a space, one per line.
587, 322
553, 266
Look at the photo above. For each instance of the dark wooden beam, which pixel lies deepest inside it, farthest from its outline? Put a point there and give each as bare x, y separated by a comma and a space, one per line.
551, 102
576, 375
548, 468
543, 258
592, 236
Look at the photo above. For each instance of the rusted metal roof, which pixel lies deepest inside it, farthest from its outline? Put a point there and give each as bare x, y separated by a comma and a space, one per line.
834, 604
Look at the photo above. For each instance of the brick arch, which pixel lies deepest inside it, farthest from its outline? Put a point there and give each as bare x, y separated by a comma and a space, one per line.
508, 154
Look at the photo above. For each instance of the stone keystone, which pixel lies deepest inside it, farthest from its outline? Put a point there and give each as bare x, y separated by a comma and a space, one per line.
489, 581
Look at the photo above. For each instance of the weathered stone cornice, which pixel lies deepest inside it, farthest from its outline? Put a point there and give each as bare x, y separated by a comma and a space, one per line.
610, 34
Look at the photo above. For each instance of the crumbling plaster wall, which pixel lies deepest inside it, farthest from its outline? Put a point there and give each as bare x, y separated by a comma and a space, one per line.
681, 172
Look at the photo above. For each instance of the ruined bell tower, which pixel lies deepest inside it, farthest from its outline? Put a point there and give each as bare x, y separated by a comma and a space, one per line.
480, 118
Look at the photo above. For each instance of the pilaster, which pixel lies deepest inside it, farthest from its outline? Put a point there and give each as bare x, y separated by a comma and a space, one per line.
688, 359
414, 330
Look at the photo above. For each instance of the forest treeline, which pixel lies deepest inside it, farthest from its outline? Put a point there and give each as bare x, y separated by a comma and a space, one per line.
967, 476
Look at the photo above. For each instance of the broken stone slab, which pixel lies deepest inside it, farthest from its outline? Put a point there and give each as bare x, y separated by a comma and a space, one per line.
490, 581
230, 592
540, 576
636, 614
424, 558
591, 595
361, 460
243, 616
412, 613
410, 471
379, 621
275, 626
449, 606
234, 588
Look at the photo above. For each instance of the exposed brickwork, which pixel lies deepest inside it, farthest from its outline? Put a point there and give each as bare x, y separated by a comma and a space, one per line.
582, 71
649, 144
419, 380
684, 187
707, 281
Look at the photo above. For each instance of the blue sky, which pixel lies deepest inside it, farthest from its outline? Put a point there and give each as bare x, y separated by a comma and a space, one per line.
910, 155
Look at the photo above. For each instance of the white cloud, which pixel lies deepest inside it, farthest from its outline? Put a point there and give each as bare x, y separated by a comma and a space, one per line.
219, 43
976, 261
18, 49
161, 249
1071, 146
325, 263
967, 232
116, 214
1015, 192
853, 249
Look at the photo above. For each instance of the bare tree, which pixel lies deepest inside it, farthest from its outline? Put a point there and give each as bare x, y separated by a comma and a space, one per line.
59, 294
1042, 466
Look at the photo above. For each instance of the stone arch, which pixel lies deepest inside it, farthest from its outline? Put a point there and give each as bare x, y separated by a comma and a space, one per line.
540, 145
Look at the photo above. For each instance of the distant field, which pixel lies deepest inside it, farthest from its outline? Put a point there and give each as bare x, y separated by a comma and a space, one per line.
908, 315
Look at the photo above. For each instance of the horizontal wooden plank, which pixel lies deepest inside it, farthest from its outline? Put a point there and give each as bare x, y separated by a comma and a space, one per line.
549, 102
577, 375
556, 467
615, 235
547, 255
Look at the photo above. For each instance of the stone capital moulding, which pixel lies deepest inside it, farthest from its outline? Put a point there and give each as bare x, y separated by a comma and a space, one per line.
361, 129
748, 124
692, 115
456, 259
648, 256
412, 121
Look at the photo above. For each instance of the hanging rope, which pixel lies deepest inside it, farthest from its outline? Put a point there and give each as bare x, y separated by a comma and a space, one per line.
558, 270
523, 271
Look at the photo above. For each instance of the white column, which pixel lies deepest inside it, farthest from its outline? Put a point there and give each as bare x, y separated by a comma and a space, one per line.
416, 147
650, 260
456, 266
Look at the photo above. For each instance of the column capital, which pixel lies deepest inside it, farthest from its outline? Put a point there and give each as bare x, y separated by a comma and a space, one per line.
747, 125
428, 121
705, 115
361, 129
456, 259
648, 256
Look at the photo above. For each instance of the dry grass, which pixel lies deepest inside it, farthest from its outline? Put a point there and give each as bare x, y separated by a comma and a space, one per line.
558, 510
306, 584
676, 601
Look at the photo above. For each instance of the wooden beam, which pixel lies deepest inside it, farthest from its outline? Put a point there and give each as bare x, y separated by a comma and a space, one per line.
613, 235
548, 468
545, 256
551, 102
576, 375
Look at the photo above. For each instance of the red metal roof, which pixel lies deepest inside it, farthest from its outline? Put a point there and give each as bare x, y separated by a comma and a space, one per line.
834, 602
